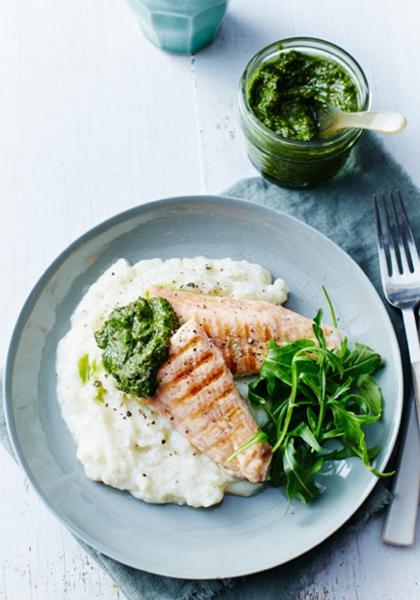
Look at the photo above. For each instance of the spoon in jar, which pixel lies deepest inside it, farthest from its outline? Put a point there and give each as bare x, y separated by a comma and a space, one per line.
332, 119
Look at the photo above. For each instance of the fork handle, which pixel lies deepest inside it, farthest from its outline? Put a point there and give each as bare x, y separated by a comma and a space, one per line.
400, 521
415, 369
413, 342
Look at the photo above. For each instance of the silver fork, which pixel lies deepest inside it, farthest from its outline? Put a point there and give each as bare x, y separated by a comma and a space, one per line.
400, 272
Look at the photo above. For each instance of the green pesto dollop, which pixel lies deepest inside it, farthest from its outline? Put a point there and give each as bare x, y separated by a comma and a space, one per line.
86, 368
100, 391
287, 93
135, 342
83, 367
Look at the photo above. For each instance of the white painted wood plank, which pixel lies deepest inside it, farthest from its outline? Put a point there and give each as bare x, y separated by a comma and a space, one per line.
366, 569
95, 120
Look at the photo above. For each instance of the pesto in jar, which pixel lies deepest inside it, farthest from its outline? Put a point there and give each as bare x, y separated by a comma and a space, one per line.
287, 93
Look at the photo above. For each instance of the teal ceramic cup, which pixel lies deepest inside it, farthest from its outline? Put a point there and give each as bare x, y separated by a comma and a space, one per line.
181, 26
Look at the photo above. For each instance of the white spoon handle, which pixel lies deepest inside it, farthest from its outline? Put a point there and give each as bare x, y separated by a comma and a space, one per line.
384, 121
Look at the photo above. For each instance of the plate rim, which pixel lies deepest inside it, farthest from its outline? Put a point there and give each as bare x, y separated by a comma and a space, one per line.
36, 292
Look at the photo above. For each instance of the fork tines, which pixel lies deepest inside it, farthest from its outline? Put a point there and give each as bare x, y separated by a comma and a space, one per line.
397, 248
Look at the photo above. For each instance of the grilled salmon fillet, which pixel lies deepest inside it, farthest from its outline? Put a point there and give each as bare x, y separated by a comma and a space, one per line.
198, 395
241, 329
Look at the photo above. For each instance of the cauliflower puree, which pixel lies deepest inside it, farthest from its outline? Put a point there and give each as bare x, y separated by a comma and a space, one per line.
121, 441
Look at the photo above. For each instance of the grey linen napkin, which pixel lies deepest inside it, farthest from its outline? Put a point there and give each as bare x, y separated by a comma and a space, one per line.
342, 209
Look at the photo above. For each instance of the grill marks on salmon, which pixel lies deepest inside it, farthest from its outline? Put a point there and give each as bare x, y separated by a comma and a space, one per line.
241, 329
198, 395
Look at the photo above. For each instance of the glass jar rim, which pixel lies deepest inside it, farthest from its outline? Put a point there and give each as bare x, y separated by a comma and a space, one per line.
313, 43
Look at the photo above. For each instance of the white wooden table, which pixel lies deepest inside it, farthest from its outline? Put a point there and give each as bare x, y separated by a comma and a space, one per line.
93, 120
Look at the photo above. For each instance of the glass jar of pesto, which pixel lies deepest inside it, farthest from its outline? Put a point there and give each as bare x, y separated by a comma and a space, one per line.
282, 90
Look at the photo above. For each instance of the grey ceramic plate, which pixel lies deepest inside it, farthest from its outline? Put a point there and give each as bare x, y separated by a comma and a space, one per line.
242, 535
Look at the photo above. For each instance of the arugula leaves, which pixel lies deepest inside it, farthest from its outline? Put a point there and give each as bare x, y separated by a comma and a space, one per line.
318, 402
